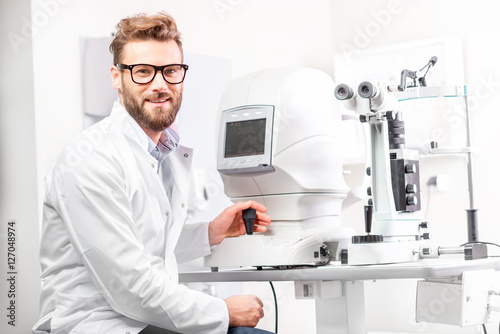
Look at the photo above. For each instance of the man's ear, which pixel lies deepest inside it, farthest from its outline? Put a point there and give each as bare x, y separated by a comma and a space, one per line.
116, 78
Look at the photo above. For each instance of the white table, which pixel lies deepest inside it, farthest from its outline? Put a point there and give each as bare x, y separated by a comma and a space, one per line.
342, 310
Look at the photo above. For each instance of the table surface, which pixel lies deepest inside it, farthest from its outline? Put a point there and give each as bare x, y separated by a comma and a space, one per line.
336, 271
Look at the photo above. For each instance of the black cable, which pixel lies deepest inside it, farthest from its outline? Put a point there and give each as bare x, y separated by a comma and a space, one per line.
275, 308
484, 329
484, 243
480, 242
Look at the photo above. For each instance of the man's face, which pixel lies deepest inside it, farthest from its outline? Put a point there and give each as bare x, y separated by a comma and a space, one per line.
154, 106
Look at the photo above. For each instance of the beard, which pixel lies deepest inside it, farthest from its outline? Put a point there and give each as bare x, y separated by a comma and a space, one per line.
157, 118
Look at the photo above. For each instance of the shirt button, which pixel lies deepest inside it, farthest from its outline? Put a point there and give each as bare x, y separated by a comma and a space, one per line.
152, 165
186, 155
182, 205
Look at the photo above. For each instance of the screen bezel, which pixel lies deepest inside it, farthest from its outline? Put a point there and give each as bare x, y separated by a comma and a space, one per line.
246, 163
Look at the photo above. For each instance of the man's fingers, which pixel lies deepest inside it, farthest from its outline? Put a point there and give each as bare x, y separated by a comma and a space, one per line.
263, 219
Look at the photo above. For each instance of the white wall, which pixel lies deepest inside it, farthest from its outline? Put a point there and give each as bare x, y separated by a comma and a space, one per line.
261, 33
19, 286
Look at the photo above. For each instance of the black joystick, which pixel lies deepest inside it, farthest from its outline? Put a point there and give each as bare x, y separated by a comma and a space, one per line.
368, 218
368, 238
249, 216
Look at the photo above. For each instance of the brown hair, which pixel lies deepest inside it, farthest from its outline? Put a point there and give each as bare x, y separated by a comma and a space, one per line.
159, 27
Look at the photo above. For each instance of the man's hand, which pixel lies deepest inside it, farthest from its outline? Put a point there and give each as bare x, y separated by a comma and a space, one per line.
230, 224
244, 310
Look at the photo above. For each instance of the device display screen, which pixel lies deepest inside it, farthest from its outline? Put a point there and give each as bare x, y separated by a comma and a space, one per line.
245, 138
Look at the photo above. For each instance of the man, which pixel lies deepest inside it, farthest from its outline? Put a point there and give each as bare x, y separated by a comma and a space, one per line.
116, 203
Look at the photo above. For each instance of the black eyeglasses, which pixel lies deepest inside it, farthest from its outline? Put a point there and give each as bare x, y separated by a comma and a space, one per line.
144, 73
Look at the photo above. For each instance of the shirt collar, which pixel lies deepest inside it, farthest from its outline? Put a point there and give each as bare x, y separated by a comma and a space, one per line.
168, 142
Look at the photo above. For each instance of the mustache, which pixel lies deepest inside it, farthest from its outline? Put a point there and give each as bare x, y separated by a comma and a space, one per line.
155, 96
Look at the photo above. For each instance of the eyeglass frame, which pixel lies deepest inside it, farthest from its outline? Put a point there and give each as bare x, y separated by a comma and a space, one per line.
122, 67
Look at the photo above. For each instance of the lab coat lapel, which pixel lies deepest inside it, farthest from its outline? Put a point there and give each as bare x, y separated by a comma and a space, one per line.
180, 162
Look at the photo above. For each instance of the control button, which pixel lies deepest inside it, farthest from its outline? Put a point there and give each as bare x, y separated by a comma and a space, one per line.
234, 162
369, 191
242, 161
412, 200
411, 189
368, 171
411, 168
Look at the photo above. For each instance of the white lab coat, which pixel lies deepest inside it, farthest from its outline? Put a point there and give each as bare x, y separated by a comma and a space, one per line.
107, 247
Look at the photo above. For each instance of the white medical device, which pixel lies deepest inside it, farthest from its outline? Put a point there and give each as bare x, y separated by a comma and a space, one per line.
396, 231
280, 145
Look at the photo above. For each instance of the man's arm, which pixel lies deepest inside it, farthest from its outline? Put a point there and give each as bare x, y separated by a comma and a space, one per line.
244, 310
94, 204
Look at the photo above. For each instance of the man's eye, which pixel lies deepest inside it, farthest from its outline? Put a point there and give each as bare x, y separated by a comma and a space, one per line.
143, 72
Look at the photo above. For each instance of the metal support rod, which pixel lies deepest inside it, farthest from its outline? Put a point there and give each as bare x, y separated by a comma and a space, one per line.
451, 250
469, 155
472, 223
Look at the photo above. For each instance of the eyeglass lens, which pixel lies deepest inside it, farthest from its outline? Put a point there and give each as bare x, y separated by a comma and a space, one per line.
145, 73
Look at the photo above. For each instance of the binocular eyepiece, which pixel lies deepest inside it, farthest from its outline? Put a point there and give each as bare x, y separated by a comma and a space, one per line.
366, 90
343, 92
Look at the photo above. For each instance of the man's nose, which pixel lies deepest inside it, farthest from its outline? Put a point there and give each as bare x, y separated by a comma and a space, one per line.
158, 83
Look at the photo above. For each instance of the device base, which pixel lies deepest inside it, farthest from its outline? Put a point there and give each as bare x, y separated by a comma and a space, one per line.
261, 251
383, 252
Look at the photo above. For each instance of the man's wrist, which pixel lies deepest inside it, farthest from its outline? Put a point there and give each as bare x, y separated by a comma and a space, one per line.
214, 238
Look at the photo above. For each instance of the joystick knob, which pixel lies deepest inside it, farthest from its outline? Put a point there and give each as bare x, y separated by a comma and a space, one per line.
249, 216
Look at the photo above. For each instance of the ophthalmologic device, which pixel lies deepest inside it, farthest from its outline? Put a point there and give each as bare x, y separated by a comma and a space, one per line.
279, 144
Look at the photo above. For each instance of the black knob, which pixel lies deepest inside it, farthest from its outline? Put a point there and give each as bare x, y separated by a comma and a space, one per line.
411, 168
369, 191
249, 216
391, 115
368, 171
344, 256
412, 200
411, 188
